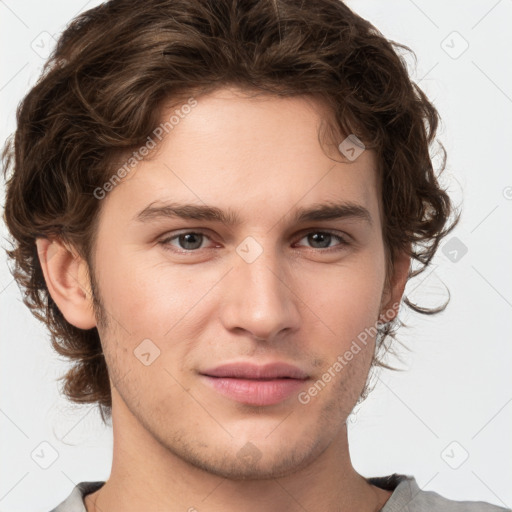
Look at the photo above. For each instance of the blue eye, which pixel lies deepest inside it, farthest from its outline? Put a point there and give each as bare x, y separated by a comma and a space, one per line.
325, 236
188, 241
192, 241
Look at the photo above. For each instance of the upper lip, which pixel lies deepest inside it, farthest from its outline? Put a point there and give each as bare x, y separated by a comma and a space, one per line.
241, 370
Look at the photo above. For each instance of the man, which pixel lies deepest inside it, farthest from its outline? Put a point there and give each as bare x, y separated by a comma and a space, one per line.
216, 205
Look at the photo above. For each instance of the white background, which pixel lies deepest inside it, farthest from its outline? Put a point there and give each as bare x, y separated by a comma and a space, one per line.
456, 385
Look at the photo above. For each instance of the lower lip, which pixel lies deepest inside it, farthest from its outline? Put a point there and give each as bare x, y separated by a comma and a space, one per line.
255, 392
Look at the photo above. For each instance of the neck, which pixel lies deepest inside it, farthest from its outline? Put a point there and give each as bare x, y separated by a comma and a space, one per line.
147, 476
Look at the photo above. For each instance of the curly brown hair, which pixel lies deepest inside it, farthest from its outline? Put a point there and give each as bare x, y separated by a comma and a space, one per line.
101, 93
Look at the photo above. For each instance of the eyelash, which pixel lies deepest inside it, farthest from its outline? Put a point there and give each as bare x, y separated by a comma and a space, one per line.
166, 241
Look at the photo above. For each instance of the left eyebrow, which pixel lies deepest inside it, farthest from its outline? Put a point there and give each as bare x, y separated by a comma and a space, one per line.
315, 212
333, 211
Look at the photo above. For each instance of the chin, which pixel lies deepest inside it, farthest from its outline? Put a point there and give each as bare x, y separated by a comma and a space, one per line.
253, 460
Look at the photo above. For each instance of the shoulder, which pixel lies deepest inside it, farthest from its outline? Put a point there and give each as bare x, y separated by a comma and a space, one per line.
75, 501
408, 497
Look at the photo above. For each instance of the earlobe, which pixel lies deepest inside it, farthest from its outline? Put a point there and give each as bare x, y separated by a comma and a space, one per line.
67, 278
396, 287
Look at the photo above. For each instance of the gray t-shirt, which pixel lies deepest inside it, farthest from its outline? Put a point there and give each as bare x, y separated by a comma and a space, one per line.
406, 497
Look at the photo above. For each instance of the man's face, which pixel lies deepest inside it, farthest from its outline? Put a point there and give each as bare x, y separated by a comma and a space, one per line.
269, 289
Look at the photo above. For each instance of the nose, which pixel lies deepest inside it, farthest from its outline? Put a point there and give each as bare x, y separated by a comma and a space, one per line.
259, 297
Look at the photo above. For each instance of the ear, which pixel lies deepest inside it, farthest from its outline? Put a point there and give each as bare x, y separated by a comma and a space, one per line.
67, 278
395, 286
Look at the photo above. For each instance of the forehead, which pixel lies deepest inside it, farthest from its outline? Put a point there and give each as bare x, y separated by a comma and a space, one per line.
244, 152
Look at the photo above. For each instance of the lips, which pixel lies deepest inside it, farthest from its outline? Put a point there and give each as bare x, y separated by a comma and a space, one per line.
255, 385
252, 371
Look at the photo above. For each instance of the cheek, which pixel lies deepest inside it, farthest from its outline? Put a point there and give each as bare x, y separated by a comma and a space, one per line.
347, 296
169, 305
141, 294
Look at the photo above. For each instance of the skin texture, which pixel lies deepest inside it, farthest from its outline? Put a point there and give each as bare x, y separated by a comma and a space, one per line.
177, 441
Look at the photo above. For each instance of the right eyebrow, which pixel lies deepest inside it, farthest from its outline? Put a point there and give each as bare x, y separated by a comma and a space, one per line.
188, 212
